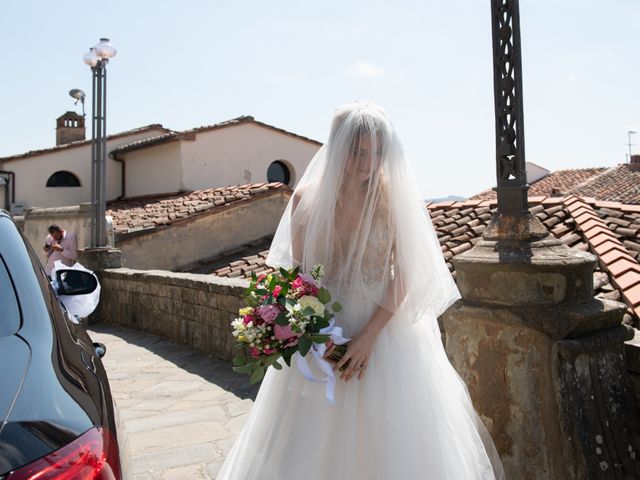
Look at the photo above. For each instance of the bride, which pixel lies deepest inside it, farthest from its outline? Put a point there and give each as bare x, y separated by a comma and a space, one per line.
401, 411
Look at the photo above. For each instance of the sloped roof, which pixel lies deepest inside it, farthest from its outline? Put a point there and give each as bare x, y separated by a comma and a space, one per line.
167, 137
556, 183
65, 146
143, 214
619, 184
190, 134
609, 230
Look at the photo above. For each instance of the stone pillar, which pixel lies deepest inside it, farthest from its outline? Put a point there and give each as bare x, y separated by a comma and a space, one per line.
97, 260
542, 357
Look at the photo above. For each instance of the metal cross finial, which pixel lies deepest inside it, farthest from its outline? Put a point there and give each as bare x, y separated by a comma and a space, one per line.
507, 84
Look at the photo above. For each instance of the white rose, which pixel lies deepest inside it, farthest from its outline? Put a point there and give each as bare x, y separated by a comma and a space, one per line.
313, 302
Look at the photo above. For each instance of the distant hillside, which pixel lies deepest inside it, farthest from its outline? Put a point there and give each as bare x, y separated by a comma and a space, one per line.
450, 198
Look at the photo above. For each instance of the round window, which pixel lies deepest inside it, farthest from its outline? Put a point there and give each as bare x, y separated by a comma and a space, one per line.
278, 172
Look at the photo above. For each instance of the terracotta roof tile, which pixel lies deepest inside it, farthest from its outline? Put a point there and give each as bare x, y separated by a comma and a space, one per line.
551, 200
623, 265
613, 255
607, 247
145, 213
606, 184
560, 181
459, 226
619, 183
600, 238
632, 296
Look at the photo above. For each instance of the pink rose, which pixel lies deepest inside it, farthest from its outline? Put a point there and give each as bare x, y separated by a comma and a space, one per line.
255, 353
277, 290
268, 351
285, 333
268, 313
247, 319
305, 284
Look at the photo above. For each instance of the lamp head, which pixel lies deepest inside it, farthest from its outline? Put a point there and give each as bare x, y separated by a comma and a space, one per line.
104, 49
90, 58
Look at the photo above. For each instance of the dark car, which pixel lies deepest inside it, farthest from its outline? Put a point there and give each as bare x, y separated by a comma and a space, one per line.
57, 417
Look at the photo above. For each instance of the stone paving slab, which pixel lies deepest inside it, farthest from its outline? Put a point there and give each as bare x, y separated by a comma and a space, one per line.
181, 408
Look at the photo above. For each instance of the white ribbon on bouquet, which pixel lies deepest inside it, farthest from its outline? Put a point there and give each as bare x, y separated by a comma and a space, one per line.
317, 352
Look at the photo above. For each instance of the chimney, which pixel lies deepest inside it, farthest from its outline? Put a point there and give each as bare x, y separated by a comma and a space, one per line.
70, 128
634, 163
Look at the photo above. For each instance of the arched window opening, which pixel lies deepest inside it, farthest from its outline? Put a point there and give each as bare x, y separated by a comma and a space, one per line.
63, 179
278, 172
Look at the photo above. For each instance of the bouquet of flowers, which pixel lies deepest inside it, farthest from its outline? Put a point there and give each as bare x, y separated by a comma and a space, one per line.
288, 312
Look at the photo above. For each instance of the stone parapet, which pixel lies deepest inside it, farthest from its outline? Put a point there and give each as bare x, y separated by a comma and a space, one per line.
542, 358
186, 308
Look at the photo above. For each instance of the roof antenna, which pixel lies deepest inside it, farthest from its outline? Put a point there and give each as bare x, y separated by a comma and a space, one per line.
79, 96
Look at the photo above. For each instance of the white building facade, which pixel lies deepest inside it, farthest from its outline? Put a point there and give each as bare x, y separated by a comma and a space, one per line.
153, 160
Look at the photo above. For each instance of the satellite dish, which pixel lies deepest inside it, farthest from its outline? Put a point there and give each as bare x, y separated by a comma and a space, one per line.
79, 96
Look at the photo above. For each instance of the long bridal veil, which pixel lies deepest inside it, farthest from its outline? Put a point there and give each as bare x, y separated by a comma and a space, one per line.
357, 212
363, 162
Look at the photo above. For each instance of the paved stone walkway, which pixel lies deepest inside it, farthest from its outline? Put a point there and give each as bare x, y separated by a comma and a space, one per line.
181, 408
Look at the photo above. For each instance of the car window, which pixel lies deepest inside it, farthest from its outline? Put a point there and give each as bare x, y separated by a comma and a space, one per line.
9, 309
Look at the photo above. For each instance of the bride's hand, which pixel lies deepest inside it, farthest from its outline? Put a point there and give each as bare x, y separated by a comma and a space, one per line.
357, 356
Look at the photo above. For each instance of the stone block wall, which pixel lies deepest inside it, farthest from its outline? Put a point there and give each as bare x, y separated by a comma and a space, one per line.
186, 308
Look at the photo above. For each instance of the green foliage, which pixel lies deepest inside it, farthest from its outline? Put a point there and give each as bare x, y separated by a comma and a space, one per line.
257, 374
336, 307
239, 359
324, 296
304, 345
319, 338
244, 368
281, 319
287, 354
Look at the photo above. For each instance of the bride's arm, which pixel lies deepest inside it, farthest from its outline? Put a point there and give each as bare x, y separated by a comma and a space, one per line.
361, 345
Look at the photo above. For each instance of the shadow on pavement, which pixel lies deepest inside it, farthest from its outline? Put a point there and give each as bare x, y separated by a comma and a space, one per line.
189, 359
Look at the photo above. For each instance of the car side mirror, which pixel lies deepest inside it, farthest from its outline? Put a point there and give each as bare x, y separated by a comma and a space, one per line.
75, 282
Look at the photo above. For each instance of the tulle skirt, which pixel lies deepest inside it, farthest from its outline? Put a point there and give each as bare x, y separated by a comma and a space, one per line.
409, 417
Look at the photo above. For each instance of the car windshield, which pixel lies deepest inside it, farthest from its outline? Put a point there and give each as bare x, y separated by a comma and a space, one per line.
9, 310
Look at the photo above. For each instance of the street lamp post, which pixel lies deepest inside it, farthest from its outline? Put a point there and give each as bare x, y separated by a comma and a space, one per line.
98, 58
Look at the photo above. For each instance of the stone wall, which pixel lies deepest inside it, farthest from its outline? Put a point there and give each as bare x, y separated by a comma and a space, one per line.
186, 308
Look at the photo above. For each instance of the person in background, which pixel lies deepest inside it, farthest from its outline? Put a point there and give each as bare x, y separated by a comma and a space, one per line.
60, 245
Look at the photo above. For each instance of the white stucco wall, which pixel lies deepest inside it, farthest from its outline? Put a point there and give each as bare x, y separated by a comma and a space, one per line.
76, 219
153, 170
535, 172
32, 173
241, 154
205, 236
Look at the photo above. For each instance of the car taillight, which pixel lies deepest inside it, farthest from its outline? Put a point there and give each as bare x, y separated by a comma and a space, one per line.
85, 458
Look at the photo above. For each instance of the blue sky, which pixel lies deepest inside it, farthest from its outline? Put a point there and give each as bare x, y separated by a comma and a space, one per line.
290, 63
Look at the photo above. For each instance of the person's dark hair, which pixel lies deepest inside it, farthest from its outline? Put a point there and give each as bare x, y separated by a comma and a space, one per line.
54, 228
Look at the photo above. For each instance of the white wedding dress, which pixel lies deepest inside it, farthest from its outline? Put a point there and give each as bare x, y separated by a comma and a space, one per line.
410, 416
